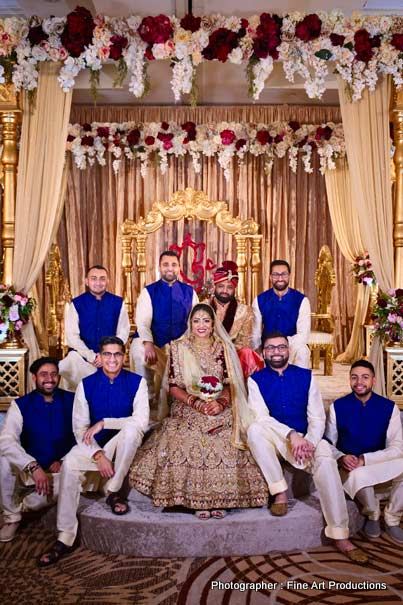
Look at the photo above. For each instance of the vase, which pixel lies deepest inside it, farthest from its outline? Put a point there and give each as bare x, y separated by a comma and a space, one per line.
14, 340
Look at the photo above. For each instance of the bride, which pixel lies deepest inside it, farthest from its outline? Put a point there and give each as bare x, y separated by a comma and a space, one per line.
197, 458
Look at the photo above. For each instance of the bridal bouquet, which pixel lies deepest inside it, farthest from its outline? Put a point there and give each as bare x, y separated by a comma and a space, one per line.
209, 387
15, 310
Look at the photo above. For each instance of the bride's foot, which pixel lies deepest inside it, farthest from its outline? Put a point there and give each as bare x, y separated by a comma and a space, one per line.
203, 514
218, 513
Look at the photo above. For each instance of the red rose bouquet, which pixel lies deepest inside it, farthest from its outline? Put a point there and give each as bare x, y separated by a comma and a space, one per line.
209, 387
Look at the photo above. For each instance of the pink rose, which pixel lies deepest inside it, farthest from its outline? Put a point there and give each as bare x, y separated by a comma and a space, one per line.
227, 137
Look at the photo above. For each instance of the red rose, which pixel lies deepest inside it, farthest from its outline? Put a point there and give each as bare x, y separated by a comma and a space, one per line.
191, 23
164, 125
116, 49
399, 292
262, 47
166, 139
155, 30
77, 33
221, 42
337, 39
309, 28
87, 140
212, 380
36, 35
263, 137
103, 131
227, 137
363, 46
87, 127
70, 138
149, 140
148, 53
244, 23
190, 129
133, 137
323, 133
240, 143
279, 137
397, 41
294, 125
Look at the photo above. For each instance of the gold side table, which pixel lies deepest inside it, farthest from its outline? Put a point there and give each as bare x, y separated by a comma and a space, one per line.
394, 374
13, 370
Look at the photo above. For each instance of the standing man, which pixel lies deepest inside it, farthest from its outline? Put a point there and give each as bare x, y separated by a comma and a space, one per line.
35, 437
90, 317
162, 312
366, 432
110, 417
289, 423
285, 310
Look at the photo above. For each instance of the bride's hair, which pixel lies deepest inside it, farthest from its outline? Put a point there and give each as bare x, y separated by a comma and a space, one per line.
202, 307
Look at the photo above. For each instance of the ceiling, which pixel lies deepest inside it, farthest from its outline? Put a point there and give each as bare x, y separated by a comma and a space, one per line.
217, 83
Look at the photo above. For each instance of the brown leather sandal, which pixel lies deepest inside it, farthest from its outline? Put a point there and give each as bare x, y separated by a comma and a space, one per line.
115, 500
56, 552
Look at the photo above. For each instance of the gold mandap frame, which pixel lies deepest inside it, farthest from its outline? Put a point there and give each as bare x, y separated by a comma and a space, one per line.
192, 204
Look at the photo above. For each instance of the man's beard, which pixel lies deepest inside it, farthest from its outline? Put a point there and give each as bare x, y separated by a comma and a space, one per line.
224, 298
278, 363
281, 287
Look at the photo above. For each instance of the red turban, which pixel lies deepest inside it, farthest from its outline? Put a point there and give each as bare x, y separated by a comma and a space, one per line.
228, 271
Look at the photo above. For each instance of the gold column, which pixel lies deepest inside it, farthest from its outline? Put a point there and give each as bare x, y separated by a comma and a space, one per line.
9, 119
256, 264
241, 262
141, 239
127, 265
397, 116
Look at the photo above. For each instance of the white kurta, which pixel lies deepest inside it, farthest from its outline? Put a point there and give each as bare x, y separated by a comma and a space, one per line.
80, 471
299, 351
267, 439
78, 363
380, 466
17, 487
144, 316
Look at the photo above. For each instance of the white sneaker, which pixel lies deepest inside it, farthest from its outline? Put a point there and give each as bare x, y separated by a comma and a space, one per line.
8, 531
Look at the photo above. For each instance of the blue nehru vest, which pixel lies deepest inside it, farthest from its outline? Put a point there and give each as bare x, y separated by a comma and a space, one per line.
286, 395
280, 314
47, 432
362, 428
171, 308
97, 318
110, 399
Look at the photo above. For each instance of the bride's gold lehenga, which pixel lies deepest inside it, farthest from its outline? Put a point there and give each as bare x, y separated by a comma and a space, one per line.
189, 460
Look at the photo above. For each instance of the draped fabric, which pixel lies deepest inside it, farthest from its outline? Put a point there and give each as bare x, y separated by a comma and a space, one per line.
39, 180
366, 131
291, 209
347, 229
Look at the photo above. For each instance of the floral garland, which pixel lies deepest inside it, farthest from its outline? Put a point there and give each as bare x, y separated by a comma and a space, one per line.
225, 140
388, 316
362, 270
359, 48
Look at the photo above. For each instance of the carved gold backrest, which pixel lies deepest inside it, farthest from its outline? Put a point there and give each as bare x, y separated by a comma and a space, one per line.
325, 279
59, 294
191, 204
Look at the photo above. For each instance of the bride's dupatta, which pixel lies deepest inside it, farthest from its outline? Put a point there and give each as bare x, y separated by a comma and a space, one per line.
191, 372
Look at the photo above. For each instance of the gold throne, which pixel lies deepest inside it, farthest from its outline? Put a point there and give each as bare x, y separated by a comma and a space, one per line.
191, 204
321, 339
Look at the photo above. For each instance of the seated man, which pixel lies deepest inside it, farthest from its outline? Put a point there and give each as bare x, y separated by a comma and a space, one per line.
366, 432
289, 423
89, 318
35, 437
162, 311
285, 310
110, 416
236, 317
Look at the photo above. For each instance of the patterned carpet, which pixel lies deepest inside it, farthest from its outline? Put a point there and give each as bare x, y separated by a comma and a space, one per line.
88, 578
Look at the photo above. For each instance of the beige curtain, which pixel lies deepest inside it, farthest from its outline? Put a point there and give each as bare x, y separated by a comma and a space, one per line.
290, 208
366, 130
347, 229
40, 171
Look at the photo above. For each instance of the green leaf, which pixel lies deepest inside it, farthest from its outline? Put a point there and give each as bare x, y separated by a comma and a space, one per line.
323, 54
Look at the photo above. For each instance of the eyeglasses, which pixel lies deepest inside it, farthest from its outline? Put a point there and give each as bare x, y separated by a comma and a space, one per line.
280, 275
279, 348
109, 355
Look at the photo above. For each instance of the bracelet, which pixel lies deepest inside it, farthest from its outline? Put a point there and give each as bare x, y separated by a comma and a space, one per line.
97, 455
224, 401
33, 466
190, 400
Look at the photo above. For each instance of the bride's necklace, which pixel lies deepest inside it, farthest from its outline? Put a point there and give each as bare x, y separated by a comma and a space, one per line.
202, 351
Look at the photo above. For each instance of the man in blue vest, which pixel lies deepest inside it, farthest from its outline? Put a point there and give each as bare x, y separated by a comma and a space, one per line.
90, 317
366, 432
285, 310
289, 422
110, 416
162, 311
35, 437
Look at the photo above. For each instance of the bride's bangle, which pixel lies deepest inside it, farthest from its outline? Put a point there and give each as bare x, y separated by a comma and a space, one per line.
190, 400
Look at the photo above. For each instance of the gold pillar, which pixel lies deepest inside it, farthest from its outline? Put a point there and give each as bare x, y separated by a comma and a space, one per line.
9, 119
256, 265
397, 116
241, 262
141, 239
127, 265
